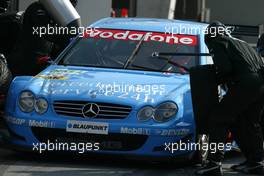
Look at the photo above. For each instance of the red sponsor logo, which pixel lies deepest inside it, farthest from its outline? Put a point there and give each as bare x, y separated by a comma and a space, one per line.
137, 36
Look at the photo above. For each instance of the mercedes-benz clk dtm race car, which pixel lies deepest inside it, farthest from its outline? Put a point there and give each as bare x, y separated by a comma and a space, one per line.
112, 89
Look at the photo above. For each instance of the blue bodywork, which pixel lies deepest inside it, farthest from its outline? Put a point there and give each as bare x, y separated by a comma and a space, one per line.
71, 87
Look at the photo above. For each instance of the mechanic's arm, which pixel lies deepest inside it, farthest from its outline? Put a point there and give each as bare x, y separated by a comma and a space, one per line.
221, 61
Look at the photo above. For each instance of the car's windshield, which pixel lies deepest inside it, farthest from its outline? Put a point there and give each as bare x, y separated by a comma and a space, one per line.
113, 48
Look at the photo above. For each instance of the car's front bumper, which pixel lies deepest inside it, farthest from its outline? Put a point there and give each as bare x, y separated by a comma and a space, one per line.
120, 138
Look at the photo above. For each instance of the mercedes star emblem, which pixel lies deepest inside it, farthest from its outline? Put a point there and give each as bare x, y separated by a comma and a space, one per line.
90, 110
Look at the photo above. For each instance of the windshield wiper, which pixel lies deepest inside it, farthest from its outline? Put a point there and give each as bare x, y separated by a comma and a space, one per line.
160, 54
134, 53
154, 70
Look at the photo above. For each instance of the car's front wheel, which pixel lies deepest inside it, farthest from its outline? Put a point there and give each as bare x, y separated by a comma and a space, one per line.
202, 151
5, 75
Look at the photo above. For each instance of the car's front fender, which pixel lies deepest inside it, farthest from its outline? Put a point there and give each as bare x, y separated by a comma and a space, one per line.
15, 88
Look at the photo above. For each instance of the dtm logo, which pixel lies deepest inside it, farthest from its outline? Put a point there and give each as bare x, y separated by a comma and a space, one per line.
90, 110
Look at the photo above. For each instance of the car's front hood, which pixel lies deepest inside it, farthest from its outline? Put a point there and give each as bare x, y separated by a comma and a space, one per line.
78, 83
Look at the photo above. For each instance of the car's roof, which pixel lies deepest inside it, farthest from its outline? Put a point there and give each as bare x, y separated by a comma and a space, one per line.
152, 24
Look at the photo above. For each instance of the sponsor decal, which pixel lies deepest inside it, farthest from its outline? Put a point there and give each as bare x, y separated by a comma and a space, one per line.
60, 74
42, 124
139, 131
178, 39
87, 127
173, 132
55, 77
146, 131
31, 123
67, 71
15, 121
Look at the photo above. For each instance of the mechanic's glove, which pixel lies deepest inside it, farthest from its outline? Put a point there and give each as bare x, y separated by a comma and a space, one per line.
43, 60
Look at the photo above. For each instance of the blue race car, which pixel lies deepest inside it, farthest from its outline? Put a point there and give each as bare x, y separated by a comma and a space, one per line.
110, 92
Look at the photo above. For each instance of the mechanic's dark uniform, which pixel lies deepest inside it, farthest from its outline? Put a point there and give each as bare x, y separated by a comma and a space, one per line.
10, 25
31, 47
238, 66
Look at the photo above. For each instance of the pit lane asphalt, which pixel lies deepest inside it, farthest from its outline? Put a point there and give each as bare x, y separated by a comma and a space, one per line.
25, 164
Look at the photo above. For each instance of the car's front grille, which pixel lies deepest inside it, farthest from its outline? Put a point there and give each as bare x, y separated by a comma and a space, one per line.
112, 141
106, 110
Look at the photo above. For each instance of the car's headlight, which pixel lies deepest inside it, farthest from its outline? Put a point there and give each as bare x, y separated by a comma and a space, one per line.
41, 105
146, 113
26, 101
165, 111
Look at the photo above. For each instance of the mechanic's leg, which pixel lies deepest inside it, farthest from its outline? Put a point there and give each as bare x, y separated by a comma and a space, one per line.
221, 118
255, 136
239, 133
231, 106
248, 135
254, 145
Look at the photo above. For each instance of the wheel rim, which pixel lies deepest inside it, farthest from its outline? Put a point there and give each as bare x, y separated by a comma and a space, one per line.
203, 140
